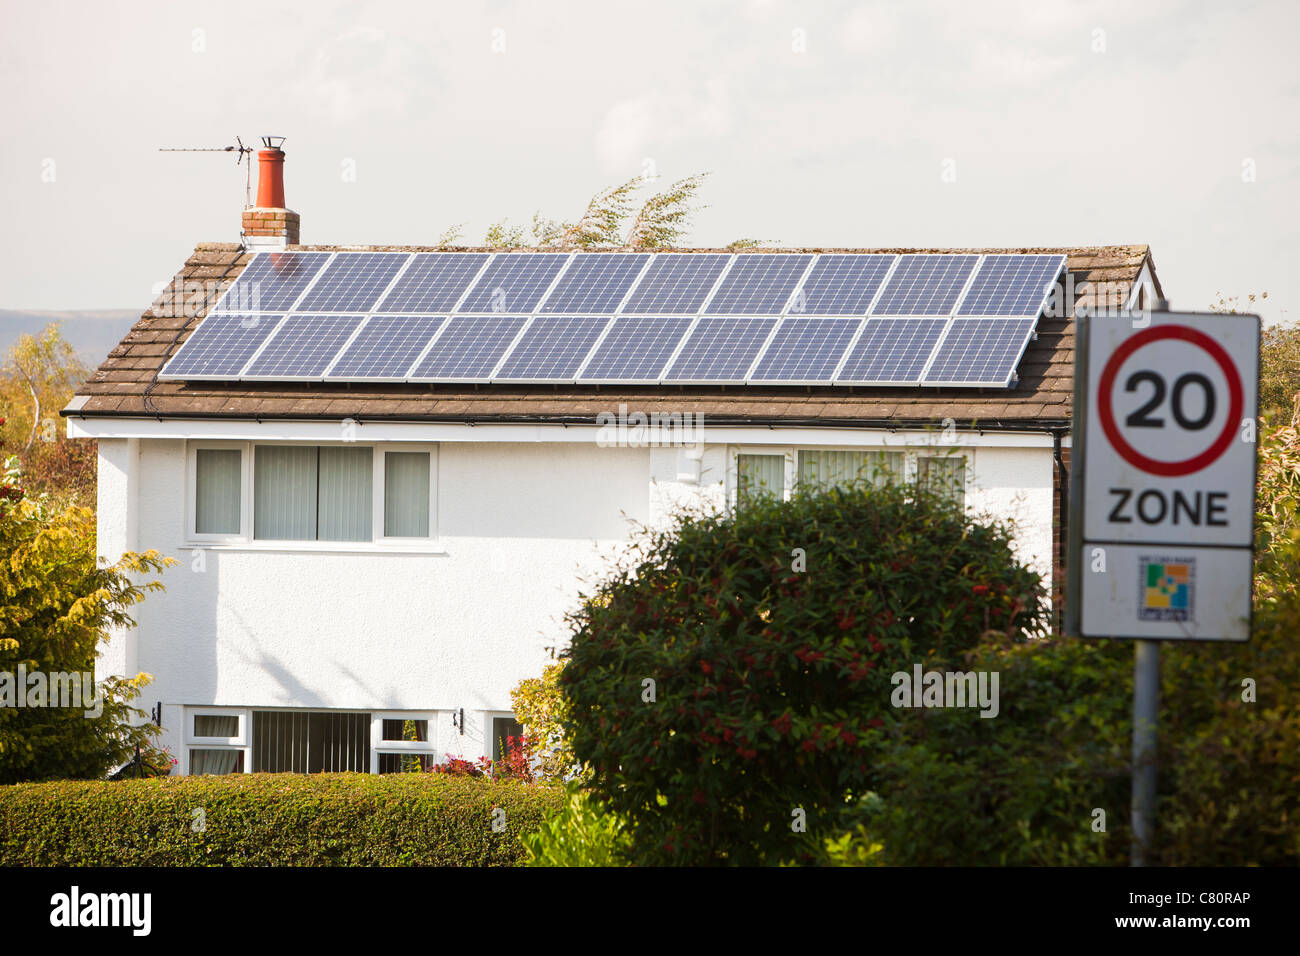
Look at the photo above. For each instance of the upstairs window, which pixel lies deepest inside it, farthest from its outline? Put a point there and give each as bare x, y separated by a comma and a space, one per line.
337, 494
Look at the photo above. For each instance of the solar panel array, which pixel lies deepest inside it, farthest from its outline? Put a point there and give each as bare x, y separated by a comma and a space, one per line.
624, 317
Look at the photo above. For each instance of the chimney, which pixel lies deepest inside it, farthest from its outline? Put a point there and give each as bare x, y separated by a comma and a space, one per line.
269, 225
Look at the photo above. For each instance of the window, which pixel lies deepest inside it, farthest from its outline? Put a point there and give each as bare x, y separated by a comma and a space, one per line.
218, 488
830, 469
335, 494
293, 741
945, 476
504, 728
216, 741
309, 493
759, 475
406, 494
404, 742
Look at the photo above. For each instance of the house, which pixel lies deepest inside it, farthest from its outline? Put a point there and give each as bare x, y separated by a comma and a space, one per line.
383, 514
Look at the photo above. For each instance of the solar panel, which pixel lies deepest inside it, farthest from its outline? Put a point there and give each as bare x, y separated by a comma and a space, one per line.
552, 348
676, 284
925, 285
303, 347
979, 352
514, 282
434, 282
841, 285
636, 349
891, 351
469, 348
387, 347
720, 350
221, 346
352, 282
272, 282
1012, 285
758, 285
595, 282
805, 350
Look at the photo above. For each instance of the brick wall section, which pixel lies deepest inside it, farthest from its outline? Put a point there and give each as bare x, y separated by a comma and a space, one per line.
271, 222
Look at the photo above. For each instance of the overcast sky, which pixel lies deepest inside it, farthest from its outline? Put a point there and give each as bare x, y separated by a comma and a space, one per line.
1160, 122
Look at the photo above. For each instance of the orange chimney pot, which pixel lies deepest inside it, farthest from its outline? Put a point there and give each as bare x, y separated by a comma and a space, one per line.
270, 179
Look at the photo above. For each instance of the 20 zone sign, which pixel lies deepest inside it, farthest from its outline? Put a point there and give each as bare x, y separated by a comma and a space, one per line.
1163, 478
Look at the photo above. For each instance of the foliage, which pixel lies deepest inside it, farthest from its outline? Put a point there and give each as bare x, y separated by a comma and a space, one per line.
37, 379
539, 706
661, 221
516, 764
581, 834
1023, 788
272, 820
57, 603
1279, 368
770, 684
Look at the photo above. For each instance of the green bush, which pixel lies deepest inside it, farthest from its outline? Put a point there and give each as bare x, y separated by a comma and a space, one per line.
582, 834
771, 677
272, 820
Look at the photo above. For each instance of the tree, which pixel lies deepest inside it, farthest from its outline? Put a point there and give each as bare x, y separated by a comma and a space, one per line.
57, 605
661, 221
729, 685
38, 378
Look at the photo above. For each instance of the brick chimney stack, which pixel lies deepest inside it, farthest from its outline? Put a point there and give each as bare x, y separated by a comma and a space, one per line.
269, 225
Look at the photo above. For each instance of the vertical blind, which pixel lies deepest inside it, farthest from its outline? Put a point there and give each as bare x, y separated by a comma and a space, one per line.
284, 492
829, 469
759, 475
945, 476
217, 491
305, 493
406, 494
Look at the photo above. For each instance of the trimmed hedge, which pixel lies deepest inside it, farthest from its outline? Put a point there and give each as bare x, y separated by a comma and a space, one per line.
272, 820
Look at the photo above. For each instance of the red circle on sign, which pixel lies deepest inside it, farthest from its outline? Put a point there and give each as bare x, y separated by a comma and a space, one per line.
1169, 469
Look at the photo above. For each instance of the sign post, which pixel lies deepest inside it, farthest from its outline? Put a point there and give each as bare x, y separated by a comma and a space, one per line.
1162, 505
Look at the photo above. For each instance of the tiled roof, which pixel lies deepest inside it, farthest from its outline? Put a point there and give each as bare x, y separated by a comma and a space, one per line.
125, 385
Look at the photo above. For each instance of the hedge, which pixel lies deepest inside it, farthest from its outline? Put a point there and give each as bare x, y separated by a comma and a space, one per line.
273, 820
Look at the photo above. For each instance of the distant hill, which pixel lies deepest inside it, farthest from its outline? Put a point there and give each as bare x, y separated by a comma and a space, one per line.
91, 333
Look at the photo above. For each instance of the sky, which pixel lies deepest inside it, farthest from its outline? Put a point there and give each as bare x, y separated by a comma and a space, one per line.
836, 124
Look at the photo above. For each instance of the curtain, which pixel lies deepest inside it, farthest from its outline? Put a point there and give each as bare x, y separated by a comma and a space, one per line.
759, 475
216, 725
215, 761
945, 476
284, 492
829, 469
217, 494
406, 494
346, 493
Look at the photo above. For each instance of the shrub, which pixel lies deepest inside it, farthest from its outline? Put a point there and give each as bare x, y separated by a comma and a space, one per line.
582, 834
272, 820
539, 706
717, 685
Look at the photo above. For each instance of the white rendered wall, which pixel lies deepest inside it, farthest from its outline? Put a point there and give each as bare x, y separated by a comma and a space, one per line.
524, 527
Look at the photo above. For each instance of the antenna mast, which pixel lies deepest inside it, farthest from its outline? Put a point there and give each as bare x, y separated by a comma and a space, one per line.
239, 147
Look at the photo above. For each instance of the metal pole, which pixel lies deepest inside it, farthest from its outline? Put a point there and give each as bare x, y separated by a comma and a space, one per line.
1146, 693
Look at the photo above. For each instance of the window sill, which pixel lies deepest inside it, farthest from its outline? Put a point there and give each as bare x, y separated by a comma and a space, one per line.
316, 547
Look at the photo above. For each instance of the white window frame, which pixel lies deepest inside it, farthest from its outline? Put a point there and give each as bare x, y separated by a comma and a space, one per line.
380, 746
192, 491
911, 456
245, 541
239, 742
380, 488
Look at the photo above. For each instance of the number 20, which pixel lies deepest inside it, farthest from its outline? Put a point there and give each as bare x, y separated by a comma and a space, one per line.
1142, 418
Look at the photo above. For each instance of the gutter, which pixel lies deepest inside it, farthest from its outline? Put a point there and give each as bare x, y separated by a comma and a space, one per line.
1036, 426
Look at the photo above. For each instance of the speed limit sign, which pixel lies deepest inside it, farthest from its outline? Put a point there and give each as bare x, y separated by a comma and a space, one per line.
1163, 476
